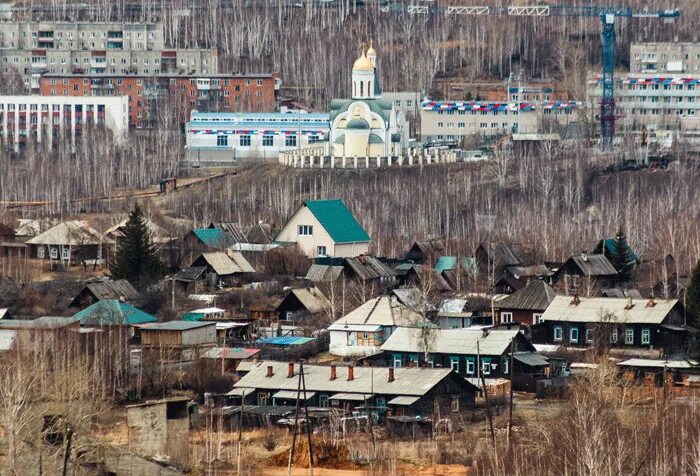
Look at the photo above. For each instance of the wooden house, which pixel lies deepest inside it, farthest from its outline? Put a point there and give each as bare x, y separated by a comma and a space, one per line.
473, 353
583, 271
120, 290
614, 322
302, 305
425, 252
492, 258
514, 278
526, 306
222, 268
177, 340
68, 242
403, 391
362, 331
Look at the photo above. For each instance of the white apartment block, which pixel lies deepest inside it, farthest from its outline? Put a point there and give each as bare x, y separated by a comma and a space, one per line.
35, 48
453, 120
44, 118
663, 102
665, 58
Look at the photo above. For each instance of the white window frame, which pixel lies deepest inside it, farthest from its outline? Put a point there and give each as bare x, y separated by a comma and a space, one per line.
470, 367
321, 251
589, 336
41, 252
537, 318
65, 253
646, 336
571, 335
305, 230
53, 252
629, 336
560, 330
486, 367
398, 363
454, 405
613, 336
454, 365
506, 318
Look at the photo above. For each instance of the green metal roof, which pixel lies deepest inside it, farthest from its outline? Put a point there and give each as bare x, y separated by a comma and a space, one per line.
357, 124
193, 316
375, 139
340, 139
111, 312
448, 263
337, 220
381, 107
214, 237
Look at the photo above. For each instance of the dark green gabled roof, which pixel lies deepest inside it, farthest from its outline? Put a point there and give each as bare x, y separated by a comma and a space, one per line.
337, 220
381, 107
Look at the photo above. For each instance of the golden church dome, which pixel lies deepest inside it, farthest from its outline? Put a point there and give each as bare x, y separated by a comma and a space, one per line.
363, 64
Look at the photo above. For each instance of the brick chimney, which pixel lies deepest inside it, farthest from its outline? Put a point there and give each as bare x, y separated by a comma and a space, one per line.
351, 373
333, 372
650, 302
290, 370
391, 374
269, 371
575, 301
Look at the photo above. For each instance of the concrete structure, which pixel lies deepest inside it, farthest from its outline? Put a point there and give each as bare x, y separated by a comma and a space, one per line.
157, 98
453, 120
315, 157
366, 125
42, 119
665, 106
660, 57
325, 228
36, 48
160, 428
228, 137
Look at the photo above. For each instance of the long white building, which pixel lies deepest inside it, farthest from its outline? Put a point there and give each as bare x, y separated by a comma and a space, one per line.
55, 118
222, 138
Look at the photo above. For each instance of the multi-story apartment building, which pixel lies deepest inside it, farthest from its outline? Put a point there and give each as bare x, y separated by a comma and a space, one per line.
24, 118
170, 98
225, 137
453, 120
37, 48
645, 102
665, 57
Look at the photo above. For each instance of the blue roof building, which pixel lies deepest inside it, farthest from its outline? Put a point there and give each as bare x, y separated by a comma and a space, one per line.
112, 312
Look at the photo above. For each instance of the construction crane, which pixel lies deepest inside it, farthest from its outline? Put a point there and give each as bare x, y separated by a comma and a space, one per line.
607, 16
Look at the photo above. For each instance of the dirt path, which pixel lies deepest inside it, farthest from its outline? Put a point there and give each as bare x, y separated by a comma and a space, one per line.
437, 470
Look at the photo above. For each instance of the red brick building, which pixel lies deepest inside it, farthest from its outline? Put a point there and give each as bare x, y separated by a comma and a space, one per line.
169, 98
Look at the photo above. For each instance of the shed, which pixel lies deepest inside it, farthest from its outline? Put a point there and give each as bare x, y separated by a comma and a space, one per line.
120, 289
302, 304
178, 334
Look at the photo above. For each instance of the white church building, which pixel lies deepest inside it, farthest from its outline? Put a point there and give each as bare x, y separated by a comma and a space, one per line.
366, 125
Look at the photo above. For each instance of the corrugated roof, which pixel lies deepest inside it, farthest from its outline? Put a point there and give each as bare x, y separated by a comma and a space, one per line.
452, 306
110, 312
222, 263
175, 326
287, 340
659, 363
352, 397
611, 310
214, 237
312, 299
43, 322
449, 341
532, 359
191, 274
68, 233
235, 353
118, 289
292, 394
407, 381
337, 220
448, 263
403, 400
319, 273
593, 265
368, 267
537, 296
381, 311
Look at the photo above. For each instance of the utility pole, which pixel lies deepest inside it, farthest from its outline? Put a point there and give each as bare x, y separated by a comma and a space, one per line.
240, 437
486, 397
510, 416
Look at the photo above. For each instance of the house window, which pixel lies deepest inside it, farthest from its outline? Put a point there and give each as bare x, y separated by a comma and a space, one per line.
245, 141
321, 251
613, 336
573, 335
454, 363
288, 315
486, 366
262, 398
537, 318
646, 337
365, 335
558, 332
455, 404
65, 253
397, 362
305, 230
506, 317
54, 253
41, 252
470, 366
505, 365
268, 140
589, 336
222, 141
290, 141
380, 402
629, 336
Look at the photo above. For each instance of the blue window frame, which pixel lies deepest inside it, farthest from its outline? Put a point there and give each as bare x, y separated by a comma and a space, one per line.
470, 365
454, 364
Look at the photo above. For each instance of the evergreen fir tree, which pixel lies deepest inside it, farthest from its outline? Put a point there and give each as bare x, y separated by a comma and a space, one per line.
136, 258
622, 257
692, 297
